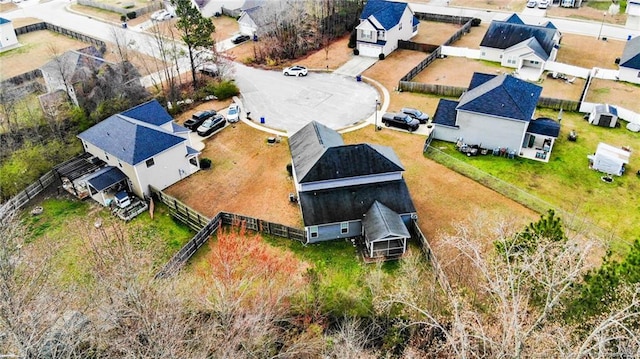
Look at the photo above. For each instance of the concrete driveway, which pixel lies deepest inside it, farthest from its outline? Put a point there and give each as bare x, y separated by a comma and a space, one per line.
289, 103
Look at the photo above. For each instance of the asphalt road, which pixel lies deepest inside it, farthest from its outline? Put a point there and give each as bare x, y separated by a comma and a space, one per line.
288, 103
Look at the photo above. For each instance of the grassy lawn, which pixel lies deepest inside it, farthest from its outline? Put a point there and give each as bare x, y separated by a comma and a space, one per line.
66, 223
567, 183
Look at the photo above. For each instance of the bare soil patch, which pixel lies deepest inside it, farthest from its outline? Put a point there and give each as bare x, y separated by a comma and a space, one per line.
107, 15
225, 27
589, 52
435, 33
473, 38
618, 93
390, 70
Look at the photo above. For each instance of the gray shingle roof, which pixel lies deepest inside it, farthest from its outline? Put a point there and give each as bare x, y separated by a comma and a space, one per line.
381, 222
631, 54
128, 140
503, 35
502, 96
350, 203
319, 156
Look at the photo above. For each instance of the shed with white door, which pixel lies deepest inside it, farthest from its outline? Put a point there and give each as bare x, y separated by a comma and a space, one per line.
609, 159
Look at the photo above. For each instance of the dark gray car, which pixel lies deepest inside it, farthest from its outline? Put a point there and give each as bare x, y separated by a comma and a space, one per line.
416, 114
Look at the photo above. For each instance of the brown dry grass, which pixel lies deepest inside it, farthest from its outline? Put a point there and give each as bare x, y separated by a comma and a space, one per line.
108, 16
473, 38
618, 93
586, 13
435, 33
225, 27
7, 6
589, 52
38, 48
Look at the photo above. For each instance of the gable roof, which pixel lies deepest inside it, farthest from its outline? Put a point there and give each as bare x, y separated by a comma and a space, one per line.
350, 203
387, 13
605, 108
319, 154
129, 140
149, 112
534, 46
381, 222
514, 19
502, 96
75, 64
631, 54
308, 144
544, 126
503, 35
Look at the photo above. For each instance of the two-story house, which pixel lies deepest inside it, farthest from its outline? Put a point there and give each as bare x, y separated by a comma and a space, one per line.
146, 145
630, 61
382, 25
348, 191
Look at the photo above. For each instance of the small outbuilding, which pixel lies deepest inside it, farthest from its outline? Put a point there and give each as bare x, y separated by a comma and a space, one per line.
604, 115
8, 38
609, 159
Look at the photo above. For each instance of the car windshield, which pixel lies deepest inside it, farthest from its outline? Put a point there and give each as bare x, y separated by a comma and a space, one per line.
207, 123
233, 110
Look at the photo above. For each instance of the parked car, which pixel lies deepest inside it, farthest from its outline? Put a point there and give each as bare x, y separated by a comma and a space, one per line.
400, 120
161, 15
532, 3
198, 118
209, 68
416, 114
233, 114
295, 70
212, 124
238, 39
543, 4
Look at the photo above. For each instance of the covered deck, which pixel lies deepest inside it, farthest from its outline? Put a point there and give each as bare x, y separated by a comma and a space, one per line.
384, 233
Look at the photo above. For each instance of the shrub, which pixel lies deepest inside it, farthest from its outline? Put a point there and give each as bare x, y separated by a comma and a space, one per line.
476, 21
226, 89
132, 15
352, 40
381, 56
123, 18
205, 163
356, 52
290, 169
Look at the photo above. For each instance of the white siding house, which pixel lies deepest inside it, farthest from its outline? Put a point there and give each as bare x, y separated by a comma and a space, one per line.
8, 39
497, 113
140, 144
630, 62
382, 25
515, 44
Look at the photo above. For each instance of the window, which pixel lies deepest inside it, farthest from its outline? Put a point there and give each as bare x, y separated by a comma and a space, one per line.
150, 162
366, 35
313, 231
639, 74
344, 227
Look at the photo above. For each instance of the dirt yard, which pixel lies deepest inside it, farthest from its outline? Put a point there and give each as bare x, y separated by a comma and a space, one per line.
587, 13
435, 33
589, 52
618, 93
249, 177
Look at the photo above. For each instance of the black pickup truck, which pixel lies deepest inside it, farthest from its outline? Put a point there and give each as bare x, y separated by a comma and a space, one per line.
400, 120
198, 118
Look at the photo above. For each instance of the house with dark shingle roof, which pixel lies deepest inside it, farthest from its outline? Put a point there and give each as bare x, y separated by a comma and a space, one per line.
630, 61
382, 25
145, 144
8, 38
496, 112
515, 44
349, 191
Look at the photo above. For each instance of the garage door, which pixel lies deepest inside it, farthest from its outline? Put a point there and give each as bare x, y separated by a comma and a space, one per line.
369, 50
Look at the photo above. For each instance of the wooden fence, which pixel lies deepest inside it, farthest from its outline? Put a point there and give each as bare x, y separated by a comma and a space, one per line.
449, 19
463, 30
207, 227
32, 190
416, 46
101, 45
422, 65
556, 104
428, 253
441, 90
